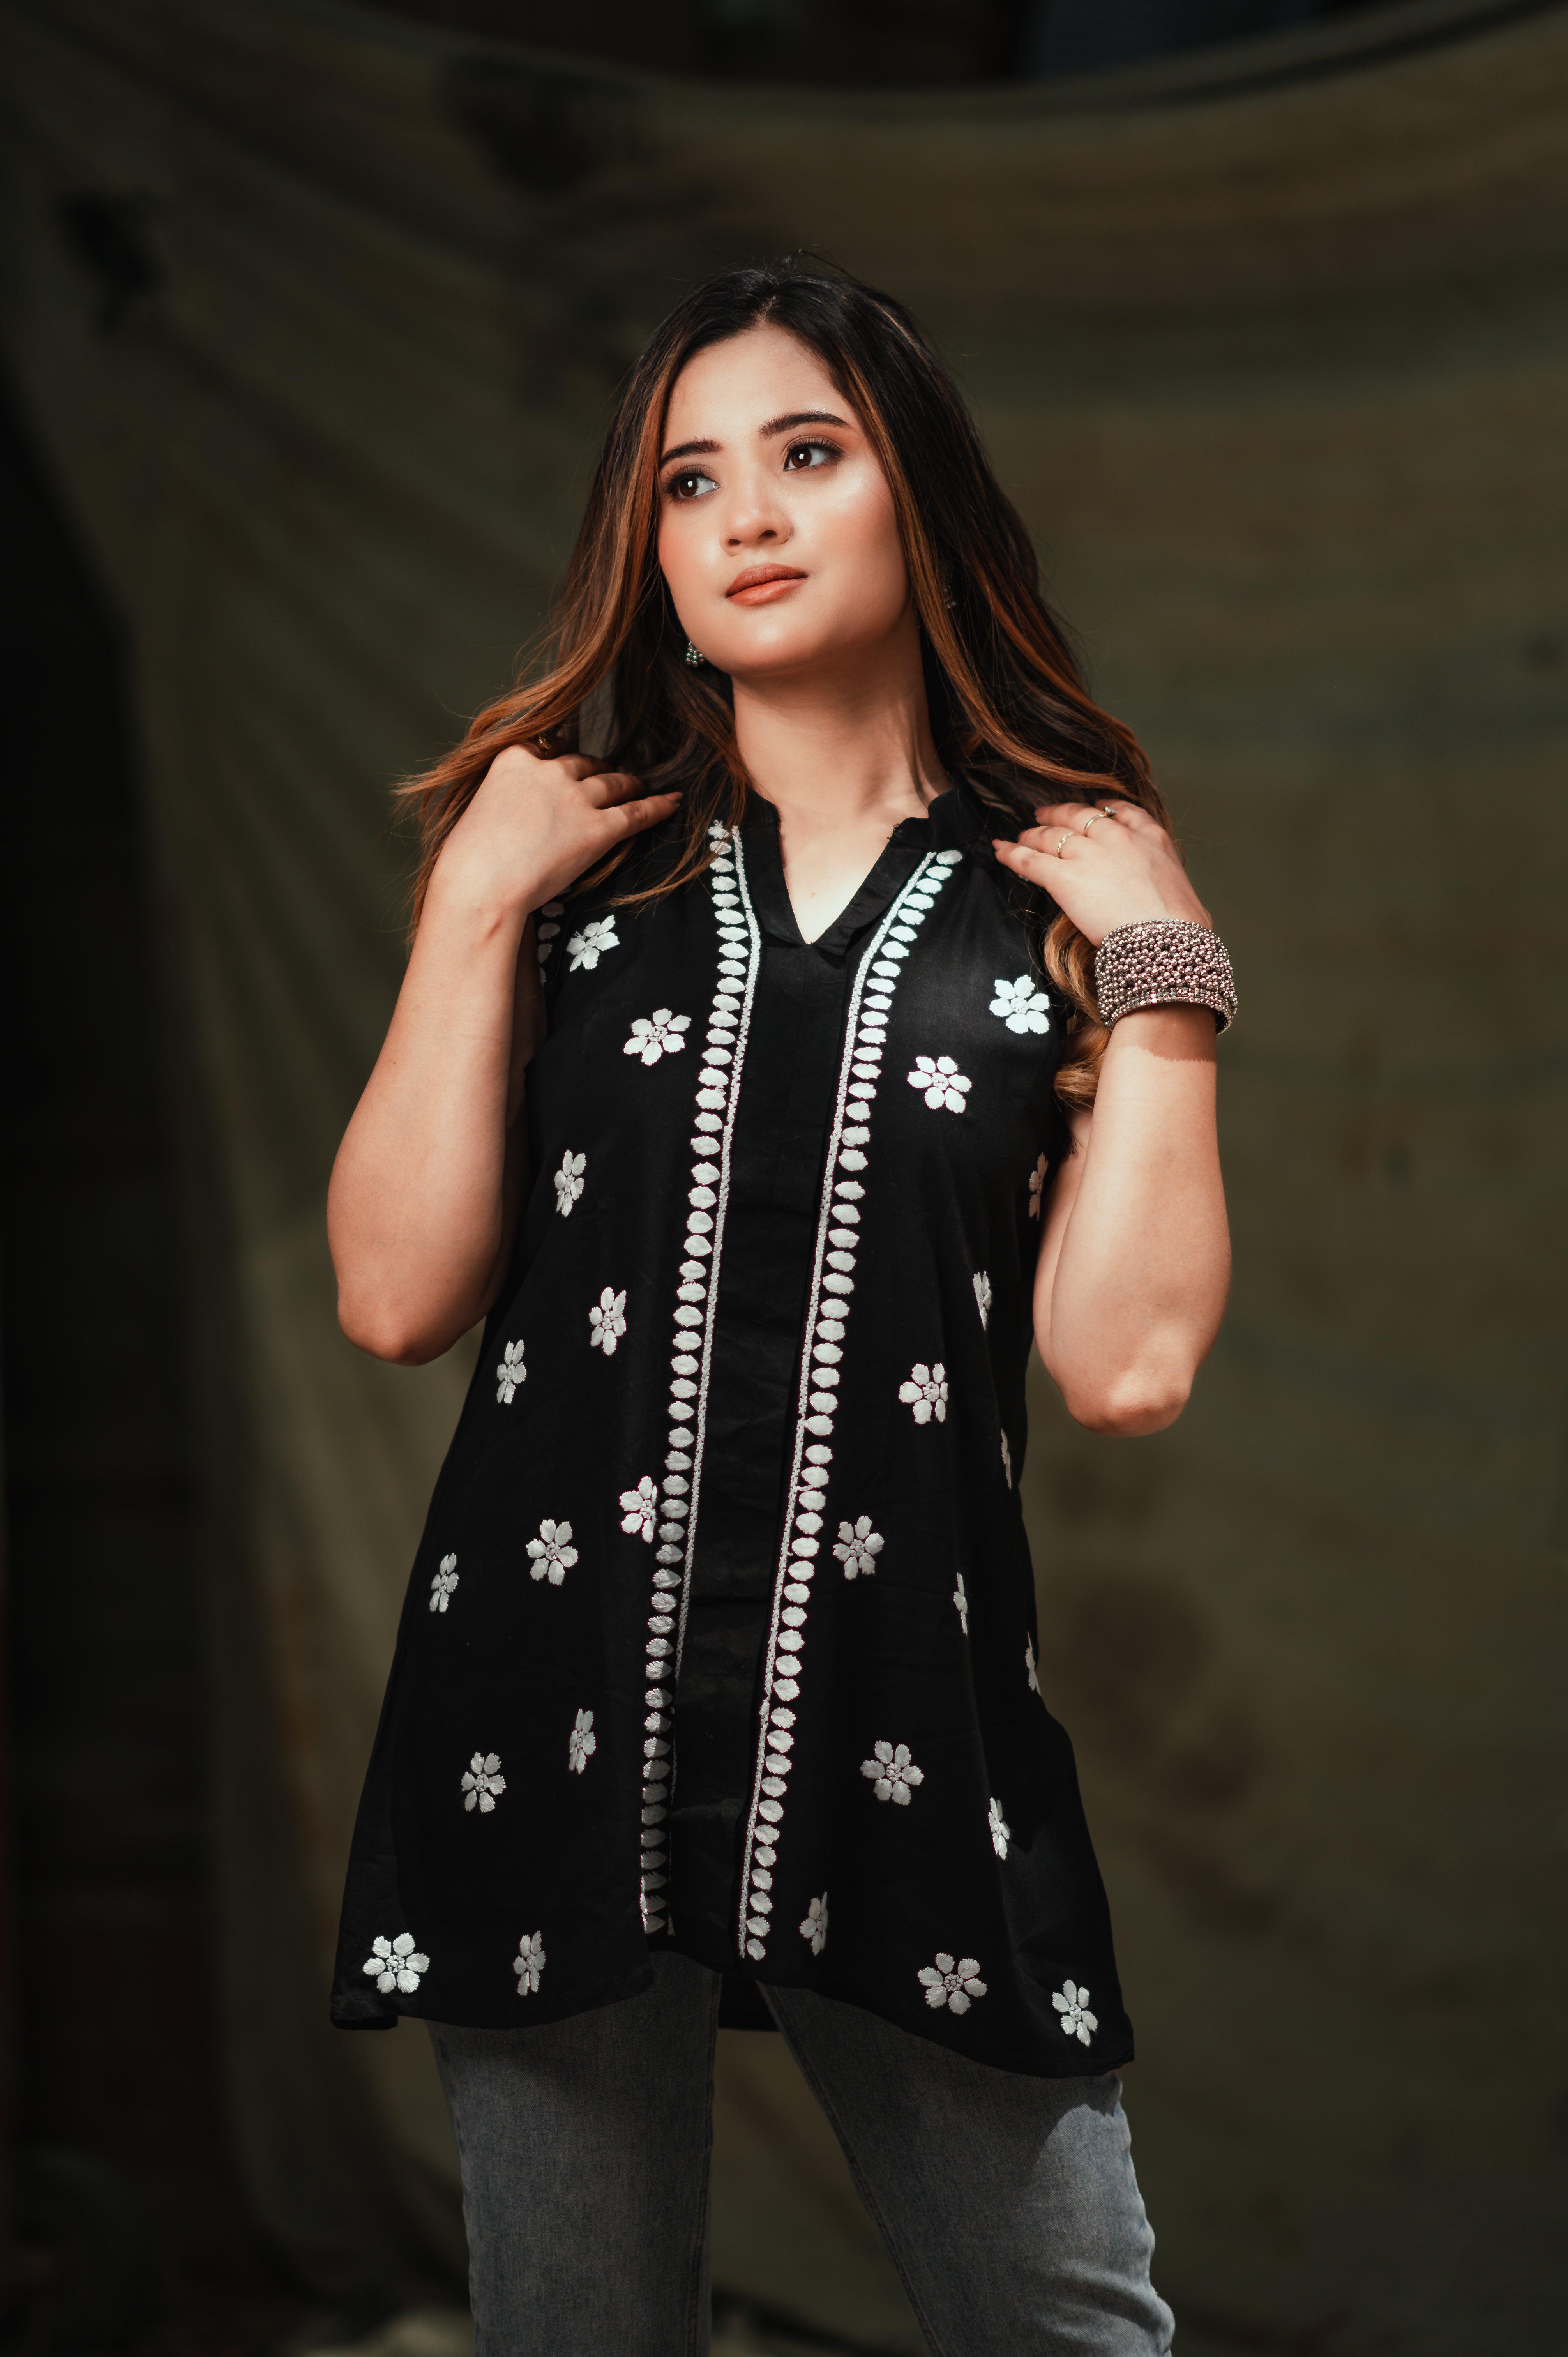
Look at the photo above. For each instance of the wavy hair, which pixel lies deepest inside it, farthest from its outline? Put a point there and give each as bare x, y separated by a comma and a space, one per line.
1009, 709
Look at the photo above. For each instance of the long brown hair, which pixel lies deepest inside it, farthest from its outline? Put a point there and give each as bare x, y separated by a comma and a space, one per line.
1009, 709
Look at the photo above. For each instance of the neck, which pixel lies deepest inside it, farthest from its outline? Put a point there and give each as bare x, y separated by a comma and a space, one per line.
844, 750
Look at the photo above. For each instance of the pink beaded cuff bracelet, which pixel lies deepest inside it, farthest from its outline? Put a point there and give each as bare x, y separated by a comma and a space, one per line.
1164, 962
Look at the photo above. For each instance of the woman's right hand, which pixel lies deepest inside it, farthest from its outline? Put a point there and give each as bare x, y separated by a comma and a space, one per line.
535, 824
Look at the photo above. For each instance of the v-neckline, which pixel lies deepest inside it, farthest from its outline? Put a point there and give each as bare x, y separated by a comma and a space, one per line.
891, 868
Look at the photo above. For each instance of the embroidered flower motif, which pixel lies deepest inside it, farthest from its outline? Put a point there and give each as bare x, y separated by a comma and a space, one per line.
1029, 1665
892, 1772
1001, 1831
582, 1741
445, 1581
1037, 1185
528, 1963
954, 1986
1022, 1004
569, 1181
1007, 1461
815, 1927
482, 1783
656, 1035
589, 946
926, 1393
981, 1284
1073, 2003
961, 1603
396, 1965
552, 1554
640, 1509
858, 1546
940, 1082
510, 1373
606, 1322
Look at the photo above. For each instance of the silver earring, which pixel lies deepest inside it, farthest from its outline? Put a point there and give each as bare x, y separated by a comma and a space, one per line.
694, 656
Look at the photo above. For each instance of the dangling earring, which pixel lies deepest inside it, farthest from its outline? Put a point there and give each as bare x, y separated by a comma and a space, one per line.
695, 656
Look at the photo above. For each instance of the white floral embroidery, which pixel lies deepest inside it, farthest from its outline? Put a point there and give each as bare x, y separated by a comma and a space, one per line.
1001, 1831
528, 1963
955, 1985
656, 1035
892, 1772
1073, 2003
552, 1554
1029, 1665
940, 1082
1037, 1185
640, 1509
961, 1603
981, 1283
396, 1965
582, 1741
482, 1783
589, 946
606, 1322
510, 1373
569, 1180
926, 1393
1022, 1004
858, 1546
445, 1581
1007, 1461
814, 1929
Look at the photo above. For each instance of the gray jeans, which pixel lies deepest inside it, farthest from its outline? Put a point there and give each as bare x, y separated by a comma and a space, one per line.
1007, 2204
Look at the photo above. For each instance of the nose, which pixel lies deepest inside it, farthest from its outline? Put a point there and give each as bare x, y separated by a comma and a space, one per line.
756, 518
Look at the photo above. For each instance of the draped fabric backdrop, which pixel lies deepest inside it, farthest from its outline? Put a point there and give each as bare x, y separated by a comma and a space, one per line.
318, 314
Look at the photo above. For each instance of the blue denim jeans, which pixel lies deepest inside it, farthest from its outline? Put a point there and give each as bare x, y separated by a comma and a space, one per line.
1007, 2204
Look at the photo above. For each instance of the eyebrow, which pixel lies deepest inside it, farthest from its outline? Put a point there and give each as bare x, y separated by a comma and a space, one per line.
775, 425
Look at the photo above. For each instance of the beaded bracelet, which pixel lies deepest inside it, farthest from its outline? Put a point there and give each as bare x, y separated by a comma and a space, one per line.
1164, 962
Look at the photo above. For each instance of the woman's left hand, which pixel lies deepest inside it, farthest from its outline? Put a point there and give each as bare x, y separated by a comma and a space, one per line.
1105, 863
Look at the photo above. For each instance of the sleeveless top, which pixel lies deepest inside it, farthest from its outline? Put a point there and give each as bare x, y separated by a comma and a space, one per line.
721, 1634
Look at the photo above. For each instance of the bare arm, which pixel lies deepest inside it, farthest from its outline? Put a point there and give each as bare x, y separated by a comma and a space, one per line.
1136, 1258
428, 1180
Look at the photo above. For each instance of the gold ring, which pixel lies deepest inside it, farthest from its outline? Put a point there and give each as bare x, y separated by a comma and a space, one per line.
1067, 837
1107, 809
1092, 821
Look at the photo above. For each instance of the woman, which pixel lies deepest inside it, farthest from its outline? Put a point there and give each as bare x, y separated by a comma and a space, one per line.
749, 1080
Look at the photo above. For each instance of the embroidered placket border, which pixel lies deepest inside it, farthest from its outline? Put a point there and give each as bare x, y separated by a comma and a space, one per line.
676, 1529
813, 1430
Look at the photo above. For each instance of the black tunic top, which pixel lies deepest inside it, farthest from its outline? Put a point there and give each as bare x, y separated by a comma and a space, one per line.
721, 1634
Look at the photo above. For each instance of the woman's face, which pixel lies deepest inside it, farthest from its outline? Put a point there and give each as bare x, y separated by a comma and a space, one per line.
777, 534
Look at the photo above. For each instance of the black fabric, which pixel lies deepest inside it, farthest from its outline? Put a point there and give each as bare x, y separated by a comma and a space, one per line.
721, 1636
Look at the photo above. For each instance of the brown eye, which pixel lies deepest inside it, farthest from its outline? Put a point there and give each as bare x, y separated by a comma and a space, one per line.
688, 484
801, 455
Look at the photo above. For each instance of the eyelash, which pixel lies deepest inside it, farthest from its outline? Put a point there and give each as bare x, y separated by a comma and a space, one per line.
694, 474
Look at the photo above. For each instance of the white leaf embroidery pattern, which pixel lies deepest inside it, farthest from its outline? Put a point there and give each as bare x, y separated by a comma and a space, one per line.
940, 1082
981, 1283
1001, 1831
528, 1963
569, 1181
1072, 2003
510, 1373
1022, 1004
892, 1772
961, 1603
396, 1965
925, 1394
1030, 1666
583, 1742
858, 1546
955, 1985
442, 1585
659, 1034
482, 1784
